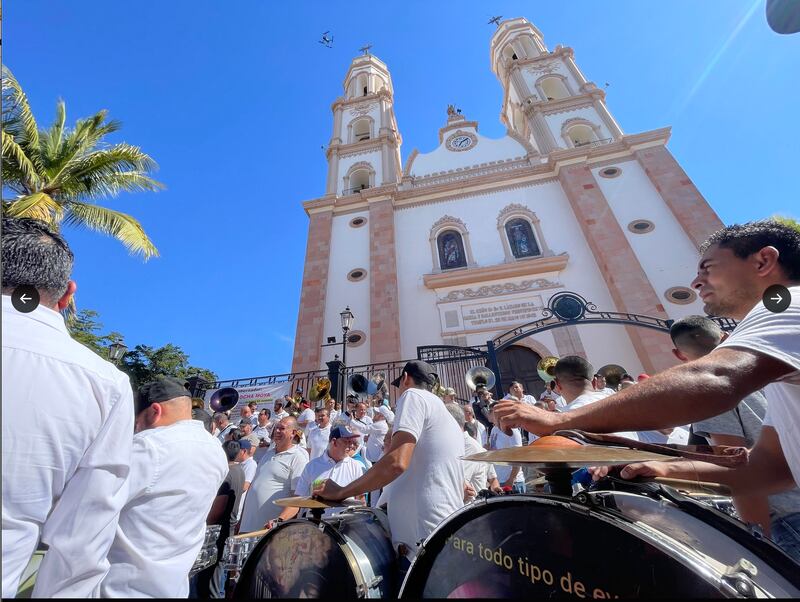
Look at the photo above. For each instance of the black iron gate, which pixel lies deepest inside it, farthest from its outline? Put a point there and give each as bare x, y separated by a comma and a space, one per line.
452, 364
567, 308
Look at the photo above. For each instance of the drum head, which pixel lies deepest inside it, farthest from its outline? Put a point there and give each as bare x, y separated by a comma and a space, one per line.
297, 560
535, 547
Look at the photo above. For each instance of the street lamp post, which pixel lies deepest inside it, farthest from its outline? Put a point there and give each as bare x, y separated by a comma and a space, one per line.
116, 351
347, 322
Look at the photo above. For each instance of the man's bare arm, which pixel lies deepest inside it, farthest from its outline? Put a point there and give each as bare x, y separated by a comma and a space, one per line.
693, 391
765, 473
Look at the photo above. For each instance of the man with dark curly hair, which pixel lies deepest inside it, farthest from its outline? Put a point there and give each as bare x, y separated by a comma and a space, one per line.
738, 264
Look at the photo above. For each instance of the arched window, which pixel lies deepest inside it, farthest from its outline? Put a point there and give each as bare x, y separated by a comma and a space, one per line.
361, 85
360, 176
521, 239
509, 54
361, 130
359, 180
521, 233
554, 88
451, 250
581, 135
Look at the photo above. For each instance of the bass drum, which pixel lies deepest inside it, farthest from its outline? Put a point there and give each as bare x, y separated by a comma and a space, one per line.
348, 555
601, 544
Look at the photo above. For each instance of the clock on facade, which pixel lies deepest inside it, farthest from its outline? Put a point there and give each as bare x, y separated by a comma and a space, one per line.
461, 142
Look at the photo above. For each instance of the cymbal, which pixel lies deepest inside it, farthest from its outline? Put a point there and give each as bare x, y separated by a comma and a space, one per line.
565, 457
311, 502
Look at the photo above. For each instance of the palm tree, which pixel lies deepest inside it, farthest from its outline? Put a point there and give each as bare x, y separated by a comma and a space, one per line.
57, 175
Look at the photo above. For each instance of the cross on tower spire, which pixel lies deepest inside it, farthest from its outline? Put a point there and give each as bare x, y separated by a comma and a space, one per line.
366, 49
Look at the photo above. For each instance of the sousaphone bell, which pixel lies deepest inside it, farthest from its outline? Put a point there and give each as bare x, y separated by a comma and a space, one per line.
547, 368
480, 377
224, 399
320, 391
359, 384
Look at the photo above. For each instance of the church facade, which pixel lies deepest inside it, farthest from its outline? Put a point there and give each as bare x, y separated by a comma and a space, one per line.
458, 245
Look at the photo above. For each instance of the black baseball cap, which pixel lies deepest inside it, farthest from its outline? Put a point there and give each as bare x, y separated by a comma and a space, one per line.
163, 388
419, 370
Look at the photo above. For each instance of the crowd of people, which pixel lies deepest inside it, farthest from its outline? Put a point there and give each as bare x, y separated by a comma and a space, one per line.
120, 485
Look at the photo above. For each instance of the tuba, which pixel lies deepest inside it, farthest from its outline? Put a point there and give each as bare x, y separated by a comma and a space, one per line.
547, 368
480, 377
224, 399
358, 384
321, 391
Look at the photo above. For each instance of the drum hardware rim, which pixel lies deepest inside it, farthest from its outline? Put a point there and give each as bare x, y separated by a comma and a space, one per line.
344, 545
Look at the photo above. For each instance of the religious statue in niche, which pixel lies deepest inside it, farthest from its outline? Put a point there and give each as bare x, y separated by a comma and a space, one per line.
520, 237
451, 250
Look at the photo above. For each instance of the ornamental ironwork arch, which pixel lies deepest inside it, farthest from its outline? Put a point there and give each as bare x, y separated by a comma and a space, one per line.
568, 308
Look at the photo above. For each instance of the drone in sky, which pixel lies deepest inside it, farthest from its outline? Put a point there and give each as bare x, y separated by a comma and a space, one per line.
326, 41
495, 20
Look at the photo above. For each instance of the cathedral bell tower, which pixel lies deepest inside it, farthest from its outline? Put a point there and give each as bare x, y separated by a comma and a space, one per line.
364, 150
539, 83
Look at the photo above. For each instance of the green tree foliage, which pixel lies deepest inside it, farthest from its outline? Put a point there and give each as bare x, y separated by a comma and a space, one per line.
85, 328
143, 362
787, 221
58, 174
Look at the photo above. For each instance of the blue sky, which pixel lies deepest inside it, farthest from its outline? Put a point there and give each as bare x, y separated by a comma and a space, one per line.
233, 101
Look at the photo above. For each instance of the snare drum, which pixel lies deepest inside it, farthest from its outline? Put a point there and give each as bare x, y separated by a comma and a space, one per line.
238, 548
348, 555
208, 553
624, 543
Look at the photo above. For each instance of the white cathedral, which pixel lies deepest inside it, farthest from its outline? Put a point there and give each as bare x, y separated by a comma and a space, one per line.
460, 244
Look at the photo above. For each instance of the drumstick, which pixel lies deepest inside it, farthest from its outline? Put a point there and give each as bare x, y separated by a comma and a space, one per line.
694, 486
252, 534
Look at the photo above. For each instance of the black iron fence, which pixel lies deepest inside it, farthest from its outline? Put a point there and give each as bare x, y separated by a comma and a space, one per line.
452, 364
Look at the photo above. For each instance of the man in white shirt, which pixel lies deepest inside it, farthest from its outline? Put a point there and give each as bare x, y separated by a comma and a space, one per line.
263, 431
276, 478
319, 438
510, 477
249, 466
247, 415
516, 391
599, 384
333, 413
63, 472
176, 470
477, 475
574, 382
334, 463
306, 418
224, 425
741, 265
360, 423
481, 434
280, 413
375, 434
423, 464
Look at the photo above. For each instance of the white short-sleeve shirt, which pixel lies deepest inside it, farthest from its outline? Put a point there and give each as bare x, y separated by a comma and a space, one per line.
324, 467
318, 440
67, 433
432, 487
175, 474
374, 447
777, 335
501, 441
477, 474
591, 397
276, 477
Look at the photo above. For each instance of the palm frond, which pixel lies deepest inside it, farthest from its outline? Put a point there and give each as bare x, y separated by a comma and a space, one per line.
16, 163
18, 119
119, 225
53, 136
37, 206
